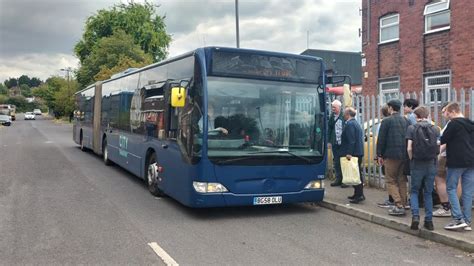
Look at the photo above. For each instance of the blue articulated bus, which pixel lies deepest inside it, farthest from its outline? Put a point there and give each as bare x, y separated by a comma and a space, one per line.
214, 127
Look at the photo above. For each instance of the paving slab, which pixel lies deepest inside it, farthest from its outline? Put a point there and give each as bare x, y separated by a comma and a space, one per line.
336, 199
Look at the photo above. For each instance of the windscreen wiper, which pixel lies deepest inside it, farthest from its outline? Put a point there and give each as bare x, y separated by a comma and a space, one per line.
283, 151
235, 159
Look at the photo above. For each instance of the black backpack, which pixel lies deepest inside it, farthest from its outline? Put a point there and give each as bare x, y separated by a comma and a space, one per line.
425, 142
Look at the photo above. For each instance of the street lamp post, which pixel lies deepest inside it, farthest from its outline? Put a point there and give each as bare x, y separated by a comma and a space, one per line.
237, 22
68, 71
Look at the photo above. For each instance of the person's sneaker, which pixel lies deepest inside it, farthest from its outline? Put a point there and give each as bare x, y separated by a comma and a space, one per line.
406, 207
428, 225
468, 228
441, 212
396, 211
455, 224
386, 204
415, 221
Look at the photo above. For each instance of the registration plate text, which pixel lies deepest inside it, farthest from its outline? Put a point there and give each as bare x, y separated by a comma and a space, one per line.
267, 200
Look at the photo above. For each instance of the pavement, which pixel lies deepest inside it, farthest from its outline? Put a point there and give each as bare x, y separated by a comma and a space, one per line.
336, 199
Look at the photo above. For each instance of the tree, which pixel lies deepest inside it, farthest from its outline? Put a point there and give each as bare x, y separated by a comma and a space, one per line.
138, 21
3, 99
47, 90
35, 82
11, 82
19, 101
3, 89
64, 99
25, 90
111, 55
57, 94
24, 80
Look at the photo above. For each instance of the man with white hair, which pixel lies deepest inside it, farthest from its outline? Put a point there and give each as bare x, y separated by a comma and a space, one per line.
335, 126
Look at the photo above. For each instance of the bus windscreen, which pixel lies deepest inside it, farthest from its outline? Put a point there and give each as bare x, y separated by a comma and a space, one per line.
264, 66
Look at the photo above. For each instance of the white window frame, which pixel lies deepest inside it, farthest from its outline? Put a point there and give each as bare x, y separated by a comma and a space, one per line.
429, 88
381, 28
437, 8
382, 92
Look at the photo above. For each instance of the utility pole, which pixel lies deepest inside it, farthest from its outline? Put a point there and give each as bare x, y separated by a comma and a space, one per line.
68, 71
237, 22
307, 39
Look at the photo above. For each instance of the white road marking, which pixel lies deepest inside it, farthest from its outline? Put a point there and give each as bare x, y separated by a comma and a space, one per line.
48, 141
167, 259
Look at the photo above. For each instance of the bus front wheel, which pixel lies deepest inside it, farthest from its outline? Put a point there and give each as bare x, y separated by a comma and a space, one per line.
152, 176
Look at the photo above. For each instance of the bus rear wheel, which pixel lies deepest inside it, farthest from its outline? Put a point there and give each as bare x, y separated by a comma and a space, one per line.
105, 153
152, 176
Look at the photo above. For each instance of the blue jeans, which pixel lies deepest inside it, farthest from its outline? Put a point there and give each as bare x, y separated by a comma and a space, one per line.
422, 176
467, 183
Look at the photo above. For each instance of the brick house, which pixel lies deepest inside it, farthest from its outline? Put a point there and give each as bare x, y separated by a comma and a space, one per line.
417, 46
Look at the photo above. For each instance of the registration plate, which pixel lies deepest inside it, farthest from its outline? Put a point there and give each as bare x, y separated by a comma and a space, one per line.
267, 200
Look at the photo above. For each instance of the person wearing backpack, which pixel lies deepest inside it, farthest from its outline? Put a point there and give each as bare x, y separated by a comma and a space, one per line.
423, 149
459, 139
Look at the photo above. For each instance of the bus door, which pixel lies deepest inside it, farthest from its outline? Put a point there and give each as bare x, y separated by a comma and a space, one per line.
169, 154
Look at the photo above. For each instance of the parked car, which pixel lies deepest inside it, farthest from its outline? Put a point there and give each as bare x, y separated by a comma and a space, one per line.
29, 116
8, 109
37, 112
5, 120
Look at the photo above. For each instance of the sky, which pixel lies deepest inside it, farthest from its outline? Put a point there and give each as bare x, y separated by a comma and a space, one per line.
37, 37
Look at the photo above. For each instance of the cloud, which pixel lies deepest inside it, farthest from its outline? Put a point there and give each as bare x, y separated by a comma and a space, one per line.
47, 30
36, 65
274, 25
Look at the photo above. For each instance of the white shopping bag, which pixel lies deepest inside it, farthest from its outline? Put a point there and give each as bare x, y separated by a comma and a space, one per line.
350, 171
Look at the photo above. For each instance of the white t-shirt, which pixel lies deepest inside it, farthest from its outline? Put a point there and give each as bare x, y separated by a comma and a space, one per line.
338, 129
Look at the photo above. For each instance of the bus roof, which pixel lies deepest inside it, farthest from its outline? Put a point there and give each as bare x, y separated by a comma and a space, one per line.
206, 50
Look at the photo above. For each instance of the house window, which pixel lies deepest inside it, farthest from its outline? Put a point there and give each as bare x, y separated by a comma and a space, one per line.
389, 89
389, 28
437, 87
437, 16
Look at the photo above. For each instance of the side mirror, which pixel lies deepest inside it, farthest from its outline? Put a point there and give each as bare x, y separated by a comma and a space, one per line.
178, 96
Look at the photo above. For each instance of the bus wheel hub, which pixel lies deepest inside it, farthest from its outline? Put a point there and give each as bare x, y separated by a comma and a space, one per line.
152, 173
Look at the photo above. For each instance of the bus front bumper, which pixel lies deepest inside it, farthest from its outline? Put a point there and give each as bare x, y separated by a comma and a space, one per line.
231, 199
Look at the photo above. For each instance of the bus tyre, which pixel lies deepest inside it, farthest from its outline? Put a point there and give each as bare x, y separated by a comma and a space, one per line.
152, 176
83, 148
105, 153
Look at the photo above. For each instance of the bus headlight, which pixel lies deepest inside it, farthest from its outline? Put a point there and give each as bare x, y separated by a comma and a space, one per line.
204, 187
315, 184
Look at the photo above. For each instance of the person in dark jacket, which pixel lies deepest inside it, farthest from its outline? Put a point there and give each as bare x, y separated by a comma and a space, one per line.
423, 169
352, 145
459, 139
392, 153
335, 126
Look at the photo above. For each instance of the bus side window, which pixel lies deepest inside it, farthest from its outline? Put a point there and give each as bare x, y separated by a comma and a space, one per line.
173, 118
